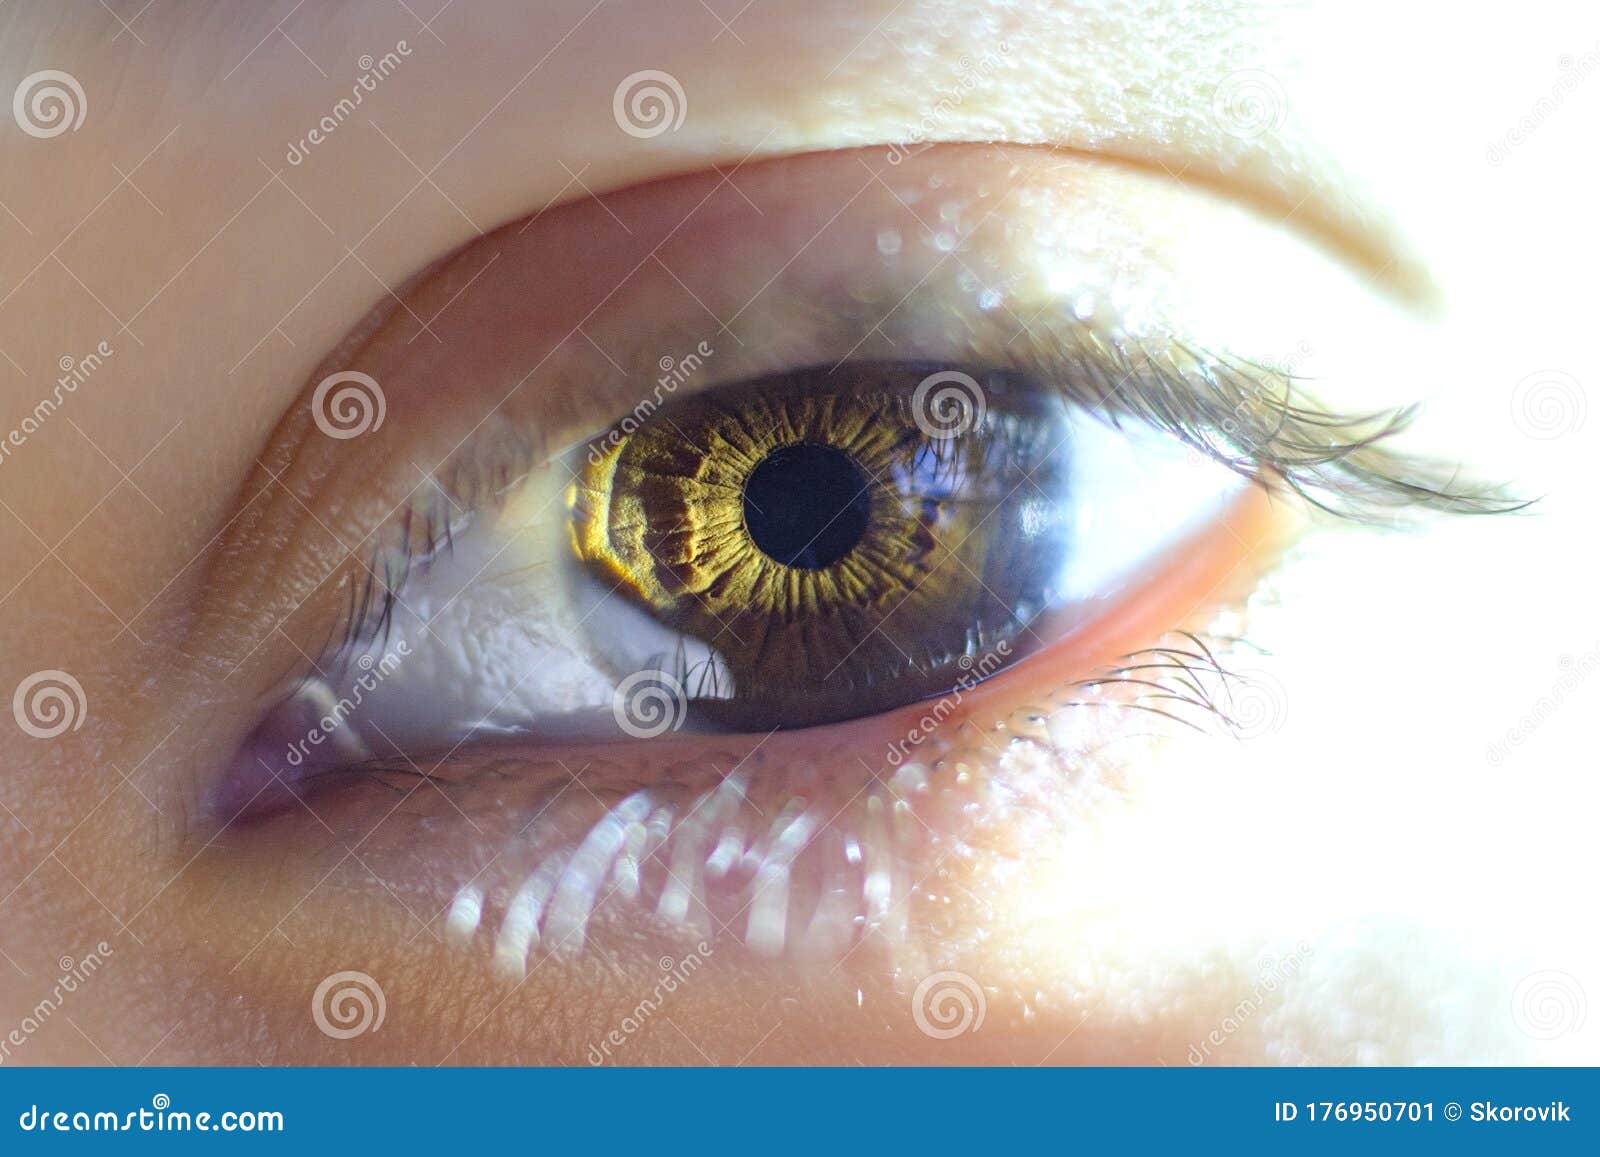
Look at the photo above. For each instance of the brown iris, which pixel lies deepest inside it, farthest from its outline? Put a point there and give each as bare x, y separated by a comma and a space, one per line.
835, 554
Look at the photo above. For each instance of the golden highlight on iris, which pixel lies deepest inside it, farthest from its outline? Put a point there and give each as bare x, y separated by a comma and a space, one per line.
836, 543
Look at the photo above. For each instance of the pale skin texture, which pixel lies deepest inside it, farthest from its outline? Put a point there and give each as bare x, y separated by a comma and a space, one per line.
1426, 879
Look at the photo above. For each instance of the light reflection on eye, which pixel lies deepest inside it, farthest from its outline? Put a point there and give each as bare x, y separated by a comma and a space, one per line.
768, 704
801, 549
823, 549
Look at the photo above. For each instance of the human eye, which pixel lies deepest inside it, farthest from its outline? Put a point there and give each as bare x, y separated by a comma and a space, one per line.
942, 527
764, 565
803, 548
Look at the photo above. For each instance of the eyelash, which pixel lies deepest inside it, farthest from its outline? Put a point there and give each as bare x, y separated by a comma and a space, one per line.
1182, 670
1246, 417
1180, 680
421, 531
1242, 415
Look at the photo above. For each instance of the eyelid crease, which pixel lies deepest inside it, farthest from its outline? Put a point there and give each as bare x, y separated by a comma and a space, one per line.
1124, 334
1357, 233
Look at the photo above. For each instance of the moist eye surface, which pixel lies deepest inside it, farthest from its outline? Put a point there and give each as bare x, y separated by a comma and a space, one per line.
807, 505
828, 544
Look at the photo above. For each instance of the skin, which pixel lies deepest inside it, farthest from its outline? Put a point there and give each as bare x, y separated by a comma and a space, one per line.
1415, 879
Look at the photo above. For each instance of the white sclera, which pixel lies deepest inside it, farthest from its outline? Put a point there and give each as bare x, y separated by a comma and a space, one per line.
504, 636
1136, 491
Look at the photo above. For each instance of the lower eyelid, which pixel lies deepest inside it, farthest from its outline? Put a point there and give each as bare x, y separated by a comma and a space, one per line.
323, 492
465, 841
455, 655
521, 852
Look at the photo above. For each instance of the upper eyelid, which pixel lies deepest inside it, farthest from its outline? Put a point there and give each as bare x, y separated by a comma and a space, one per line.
1165, 111
1252, 418
1072, 352
1352, 228
1262, 422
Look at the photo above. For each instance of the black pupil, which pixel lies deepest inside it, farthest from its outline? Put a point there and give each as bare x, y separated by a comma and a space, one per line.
807, 505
